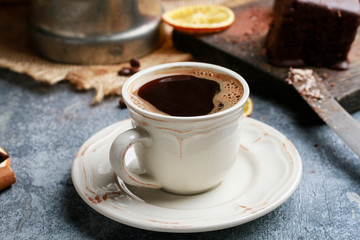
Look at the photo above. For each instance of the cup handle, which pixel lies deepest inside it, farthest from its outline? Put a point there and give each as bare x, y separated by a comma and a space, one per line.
117, 158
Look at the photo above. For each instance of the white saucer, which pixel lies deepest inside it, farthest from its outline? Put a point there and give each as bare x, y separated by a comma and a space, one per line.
267, 172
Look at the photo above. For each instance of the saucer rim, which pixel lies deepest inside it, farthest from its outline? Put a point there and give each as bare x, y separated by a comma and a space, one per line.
223, 224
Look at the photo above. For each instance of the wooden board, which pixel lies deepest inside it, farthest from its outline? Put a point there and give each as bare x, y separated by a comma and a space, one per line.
241, 48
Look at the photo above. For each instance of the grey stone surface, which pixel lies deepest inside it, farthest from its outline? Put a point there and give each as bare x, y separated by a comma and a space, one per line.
43, 126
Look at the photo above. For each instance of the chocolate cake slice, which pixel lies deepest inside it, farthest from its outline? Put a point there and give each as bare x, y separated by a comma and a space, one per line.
312, 32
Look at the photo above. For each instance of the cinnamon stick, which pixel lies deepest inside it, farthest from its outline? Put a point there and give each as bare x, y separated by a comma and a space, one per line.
7, 177
3, 156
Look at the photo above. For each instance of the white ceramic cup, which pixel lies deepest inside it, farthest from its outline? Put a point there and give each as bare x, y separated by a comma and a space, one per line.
183, 155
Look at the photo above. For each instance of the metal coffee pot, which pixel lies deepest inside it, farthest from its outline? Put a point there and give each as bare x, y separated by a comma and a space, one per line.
95, 31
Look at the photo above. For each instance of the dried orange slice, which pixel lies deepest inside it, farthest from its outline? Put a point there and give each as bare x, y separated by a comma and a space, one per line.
248, 108
202, 18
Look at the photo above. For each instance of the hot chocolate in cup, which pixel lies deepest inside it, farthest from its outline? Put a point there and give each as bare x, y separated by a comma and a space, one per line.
186, 131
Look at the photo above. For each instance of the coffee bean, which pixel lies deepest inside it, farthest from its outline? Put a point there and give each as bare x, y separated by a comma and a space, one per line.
134, 70
122, 103
125, 71
135, 63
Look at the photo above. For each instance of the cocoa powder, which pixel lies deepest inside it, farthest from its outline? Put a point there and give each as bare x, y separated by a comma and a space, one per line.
249, 22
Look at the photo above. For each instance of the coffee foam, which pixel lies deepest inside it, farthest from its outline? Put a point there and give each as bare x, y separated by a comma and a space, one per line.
230, 94
231, 90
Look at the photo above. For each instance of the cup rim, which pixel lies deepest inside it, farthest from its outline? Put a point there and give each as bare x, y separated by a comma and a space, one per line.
199, 65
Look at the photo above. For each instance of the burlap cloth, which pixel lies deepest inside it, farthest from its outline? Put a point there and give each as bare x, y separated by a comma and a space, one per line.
17, 55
